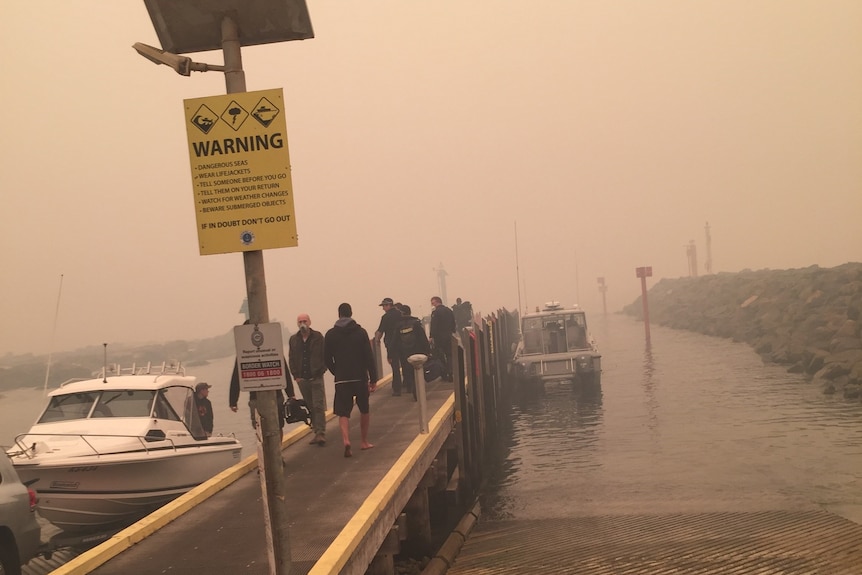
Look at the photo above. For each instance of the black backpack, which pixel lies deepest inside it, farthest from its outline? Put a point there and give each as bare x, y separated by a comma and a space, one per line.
407, 336
433, 370
296, 410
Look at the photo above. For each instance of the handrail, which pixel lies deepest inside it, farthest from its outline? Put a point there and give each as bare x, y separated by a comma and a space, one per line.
172, 367
143, 439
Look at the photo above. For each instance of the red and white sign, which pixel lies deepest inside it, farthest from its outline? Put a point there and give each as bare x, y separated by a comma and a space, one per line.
260, 356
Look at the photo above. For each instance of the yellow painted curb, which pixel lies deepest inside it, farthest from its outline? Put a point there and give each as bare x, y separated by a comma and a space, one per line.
342, 548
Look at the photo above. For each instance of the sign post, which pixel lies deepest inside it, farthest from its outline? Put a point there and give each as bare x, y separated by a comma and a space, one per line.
644, 273
256, 143
603, 288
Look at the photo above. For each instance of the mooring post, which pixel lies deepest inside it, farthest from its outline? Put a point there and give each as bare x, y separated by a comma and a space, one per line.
418, 361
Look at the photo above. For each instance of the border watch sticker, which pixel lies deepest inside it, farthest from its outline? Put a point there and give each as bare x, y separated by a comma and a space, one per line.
240, 166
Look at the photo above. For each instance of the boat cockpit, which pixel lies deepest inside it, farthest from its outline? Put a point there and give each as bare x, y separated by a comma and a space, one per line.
561, 332
169, 404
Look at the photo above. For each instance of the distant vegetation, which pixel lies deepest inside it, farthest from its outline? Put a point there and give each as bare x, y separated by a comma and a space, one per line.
29, 370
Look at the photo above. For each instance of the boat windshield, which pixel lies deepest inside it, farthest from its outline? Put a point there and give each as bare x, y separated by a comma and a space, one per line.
175, 403
68, 407
557, 333
96, 404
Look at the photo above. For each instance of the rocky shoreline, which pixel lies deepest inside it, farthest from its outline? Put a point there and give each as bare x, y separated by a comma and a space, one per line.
809, 319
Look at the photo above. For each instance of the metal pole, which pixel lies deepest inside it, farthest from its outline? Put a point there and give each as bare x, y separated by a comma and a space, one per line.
272, 476
417, 361
646, 308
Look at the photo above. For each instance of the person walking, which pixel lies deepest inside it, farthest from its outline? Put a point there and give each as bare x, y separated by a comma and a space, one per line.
441, 330
410, 340
348, 355
204, 407
305, 358
388, 324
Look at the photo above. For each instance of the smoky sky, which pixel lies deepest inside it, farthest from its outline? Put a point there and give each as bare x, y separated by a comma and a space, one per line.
421, 137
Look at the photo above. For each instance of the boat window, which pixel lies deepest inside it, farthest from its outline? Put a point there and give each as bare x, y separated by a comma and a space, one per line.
184, 397
577, 330
124, 403
163, 408
532, 335
68, 407
555, 335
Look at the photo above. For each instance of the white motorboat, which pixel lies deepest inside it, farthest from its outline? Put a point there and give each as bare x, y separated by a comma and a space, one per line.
555, 345
107, 451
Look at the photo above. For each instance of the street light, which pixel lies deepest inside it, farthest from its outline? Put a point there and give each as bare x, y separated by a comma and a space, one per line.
182, 65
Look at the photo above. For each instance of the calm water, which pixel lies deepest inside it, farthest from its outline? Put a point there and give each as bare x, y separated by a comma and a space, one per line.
697, 423
694, 424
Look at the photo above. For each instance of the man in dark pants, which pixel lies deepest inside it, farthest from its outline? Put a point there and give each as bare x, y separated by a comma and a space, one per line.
463, 312
347, 353
388, 325
411, 339
442, 328
305, 357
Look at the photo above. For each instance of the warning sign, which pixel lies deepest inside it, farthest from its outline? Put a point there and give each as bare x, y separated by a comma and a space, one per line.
241, 172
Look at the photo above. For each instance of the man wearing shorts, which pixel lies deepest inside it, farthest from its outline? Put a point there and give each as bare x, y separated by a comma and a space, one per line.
348, 355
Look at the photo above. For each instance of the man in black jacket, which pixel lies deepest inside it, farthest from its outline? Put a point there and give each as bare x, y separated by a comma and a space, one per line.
204, 406
386, 330
442, 328
348, 355
410, 340
305, 358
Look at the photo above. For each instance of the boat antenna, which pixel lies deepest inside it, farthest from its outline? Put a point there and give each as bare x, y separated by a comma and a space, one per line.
517, 267
577, 282
105, 365
53, 335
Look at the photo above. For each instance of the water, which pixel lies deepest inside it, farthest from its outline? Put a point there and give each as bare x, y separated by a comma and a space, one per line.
697, 423
21, 407
694, 424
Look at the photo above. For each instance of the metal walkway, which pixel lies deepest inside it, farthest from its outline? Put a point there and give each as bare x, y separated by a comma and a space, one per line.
763, 542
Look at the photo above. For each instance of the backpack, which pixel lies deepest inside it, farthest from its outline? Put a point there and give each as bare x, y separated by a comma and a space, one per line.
296, 410
433, 370
407, 337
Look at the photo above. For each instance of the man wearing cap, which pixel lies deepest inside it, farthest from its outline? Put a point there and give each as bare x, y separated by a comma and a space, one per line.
387, 328
204, 406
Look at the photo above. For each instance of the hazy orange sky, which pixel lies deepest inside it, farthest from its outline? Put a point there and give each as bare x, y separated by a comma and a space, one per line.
419, 134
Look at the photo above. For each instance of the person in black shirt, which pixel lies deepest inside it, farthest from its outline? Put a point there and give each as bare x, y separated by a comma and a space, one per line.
388, 325
204, 406
410, 340
347, 353
442, 328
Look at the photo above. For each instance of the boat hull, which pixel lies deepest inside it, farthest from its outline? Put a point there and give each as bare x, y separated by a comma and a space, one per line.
108, 492
582, 369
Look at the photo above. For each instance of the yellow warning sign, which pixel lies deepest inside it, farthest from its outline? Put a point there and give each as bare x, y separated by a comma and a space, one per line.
241, 172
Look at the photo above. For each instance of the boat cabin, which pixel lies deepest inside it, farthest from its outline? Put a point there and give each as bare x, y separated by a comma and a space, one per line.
554, 330
555, 345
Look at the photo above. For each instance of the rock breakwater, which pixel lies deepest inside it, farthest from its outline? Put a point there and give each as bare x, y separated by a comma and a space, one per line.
809, 319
